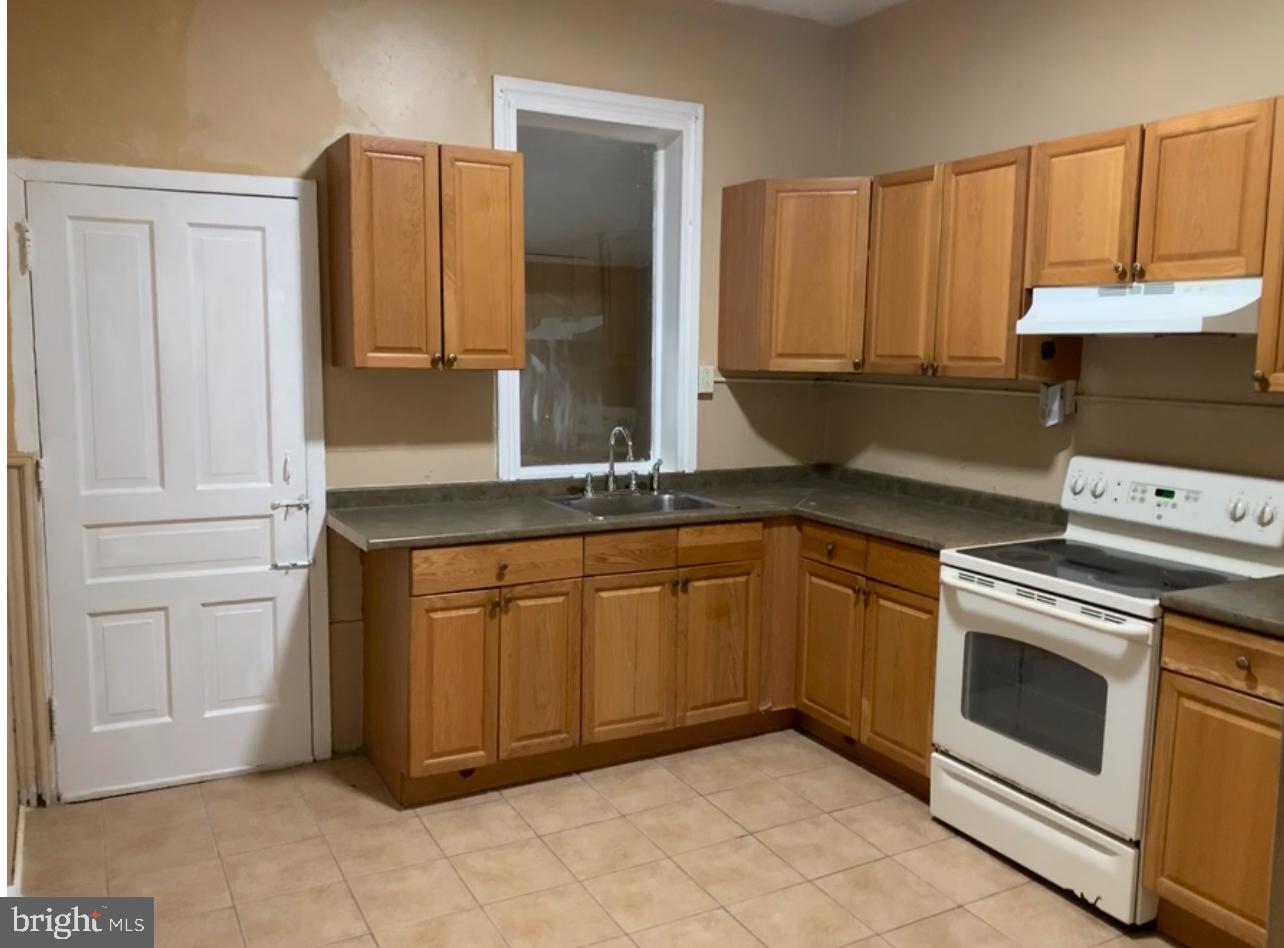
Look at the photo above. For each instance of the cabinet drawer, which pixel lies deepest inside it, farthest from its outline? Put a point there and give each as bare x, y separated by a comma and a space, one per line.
840, 548
720, 543
904, 566
630, 551
495, 564
1249, 663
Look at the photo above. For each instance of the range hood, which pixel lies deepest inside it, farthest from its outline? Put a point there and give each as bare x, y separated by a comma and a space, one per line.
1145, 309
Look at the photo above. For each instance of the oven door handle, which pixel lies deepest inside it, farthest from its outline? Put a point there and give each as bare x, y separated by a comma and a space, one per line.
1135, 630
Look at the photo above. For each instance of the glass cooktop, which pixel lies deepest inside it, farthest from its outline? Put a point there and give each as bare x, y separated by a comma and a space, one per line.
1100, 567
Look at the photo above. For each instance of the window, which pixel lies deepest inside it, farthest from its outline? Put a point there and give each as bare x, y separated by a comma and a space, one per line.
612, 198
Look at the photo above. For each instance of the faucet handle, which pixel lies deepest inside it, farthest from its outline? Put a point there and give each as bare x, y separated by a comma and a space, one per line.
588, 484
655, 475
633, 482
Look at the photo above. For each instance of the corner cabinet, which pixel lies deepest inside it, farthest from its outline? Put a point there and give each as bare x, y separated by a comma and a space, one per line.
426, 258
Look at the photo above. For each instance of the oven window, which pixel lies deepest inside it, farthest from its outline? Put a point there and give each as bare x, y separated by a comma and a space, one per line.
1036, 697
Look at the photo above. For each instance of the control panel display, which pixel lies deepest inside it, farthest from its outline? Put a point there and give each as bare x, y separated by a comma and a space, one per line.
1165, 493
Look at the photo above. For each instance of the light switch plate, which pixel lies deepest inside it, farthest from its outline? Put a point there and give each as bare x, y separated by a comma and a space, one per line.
706, 380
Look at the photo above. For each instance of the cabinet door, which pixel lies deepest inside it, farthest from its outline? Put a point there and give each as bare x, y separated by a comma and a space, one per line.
630, 623
817, 233
1214, 780
899, 671
719, 631
385, 252
904, 254
454, 682
1269, 371
1083, 209
539, 668
1203, 194
830, 636
982, 253
483, 260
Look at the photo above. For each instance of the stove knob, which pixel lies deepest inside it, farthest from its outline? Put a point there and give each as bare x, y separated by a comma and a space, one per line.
1098, 488
1237, 510
1077, 485
1266, 516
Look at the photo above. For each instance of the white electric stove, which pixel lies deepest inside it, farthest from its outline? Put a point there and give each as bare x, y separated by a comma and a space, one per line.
1047, 665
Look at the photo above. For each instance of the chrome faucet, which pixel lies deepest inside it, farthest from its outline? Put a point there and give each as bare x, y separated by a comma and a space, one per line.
655, 475
628, 443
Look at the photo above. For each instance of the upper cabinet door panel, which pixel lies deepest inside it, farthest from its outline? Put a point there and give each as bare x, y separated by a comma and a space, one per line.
1204, 184
1083, 208
982, 251
1269, 370
483, 261
817, 232
904, 248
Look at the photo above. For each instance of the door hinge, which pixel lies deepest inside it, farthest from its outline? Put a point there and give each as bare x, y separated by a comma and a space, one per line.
24, 247
40, 478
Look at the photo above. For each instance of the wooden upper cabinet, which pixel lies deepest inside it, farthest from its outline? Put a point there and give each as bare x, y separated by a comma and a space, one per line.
483, 261
792, 280
539, 668
905, 233
1204, 181
899, 675
454, 682
830, 638
1268, 372
1083, 209
982, 254
719, 632
385, 254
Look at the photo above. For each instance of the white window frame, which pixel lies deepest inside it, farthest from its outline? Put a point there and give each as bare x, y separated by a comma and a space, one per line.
675, 276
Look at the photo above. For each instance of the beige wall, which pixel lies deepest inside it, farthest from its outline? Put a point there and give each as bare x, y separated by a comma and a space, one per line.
934, 80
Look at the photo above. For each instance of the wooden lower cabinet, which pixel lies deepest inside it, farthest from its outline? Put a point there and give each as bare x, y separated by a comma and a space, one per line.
1210, 825
539, 668
718, 641
830, 637
630, 628
454, 681
899, 671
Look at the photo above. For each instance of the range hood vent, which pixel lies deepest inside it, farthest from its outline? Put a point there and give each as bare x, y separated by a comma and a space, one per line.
1228, 307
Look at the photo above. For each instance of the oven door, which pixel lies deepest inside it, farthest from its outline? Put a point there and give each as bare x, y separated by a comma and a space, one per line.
1046, 697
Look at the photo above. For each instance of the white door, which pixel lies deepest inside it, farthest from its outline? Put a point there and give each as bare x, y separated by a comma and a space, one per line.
169, 358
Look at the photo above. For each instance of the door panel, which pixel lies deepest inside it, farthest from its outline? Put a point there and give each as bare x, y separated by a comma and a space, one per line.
899, 674
483, 266
178, 652
830, 624
630, 624
1204, 180
1269, 369
1083, 209
454, 682
903, 266
539, 669
719, 632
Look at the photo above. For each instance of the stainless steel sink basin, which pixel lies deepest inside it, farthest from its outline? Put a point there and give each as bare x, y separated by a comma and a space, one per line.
624, 504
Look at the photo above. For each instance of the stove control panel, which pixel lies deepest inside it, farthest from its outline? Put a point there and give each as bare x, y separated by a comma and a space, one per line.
1242, 509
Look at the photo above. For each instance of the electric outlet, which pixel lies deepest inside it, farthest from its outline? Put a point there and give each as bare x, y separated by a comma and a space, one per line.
706, 380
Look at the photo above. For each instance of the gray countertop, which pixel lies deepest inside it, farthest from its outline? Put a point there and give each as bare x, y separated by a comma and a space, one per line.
1254, 604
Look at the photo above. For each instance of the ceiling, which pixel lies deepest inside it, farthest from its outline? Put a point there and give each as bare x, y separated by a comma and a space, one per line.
830, 12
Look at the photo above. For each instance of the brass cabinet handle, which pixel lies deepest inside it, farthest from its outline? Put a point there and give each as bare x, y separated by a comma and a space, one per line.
922, 368
435, 360
856, 364
686, 582
451, 359
935, 368
503, 568
1120, 269
1242, 663
1259, 376
829, 549
674, 582
1138, 271
495, 604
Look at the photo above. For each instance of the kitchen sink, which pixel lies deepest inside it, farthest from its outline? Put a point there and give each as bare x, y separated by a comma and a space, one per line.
626, 504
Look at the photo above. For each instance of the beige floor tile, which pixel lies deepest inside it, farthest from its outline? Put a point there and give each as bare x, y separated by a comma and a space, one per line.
1037, 917
642, 785
264, 873
762, 805
134, 849
621, 941
738, 869
155, 807
560, 804
714, 929
361, 941
242, 828
410, 895
649, 895
80, 817
257, 789
505, 872
818, 846
801, 917
878, 941
710, 769
961, 869
464, 829
217, 929
351, 770
565, 917
339, 804
885, 895
958, 928
840, 786
187, 890
785, 752
1140, 940
304, 919
470, 929
362, 850
50, 856
686, 825
73, 880
457, 803
894, 825
599, 848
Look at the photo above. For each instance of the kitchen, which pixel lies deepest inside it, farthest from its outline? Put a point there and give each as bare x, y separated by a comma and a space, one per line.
834, 412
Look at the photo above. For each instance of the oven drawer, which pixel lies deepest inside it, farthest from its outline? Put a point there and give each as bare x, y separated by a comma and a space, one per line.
1252, 664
